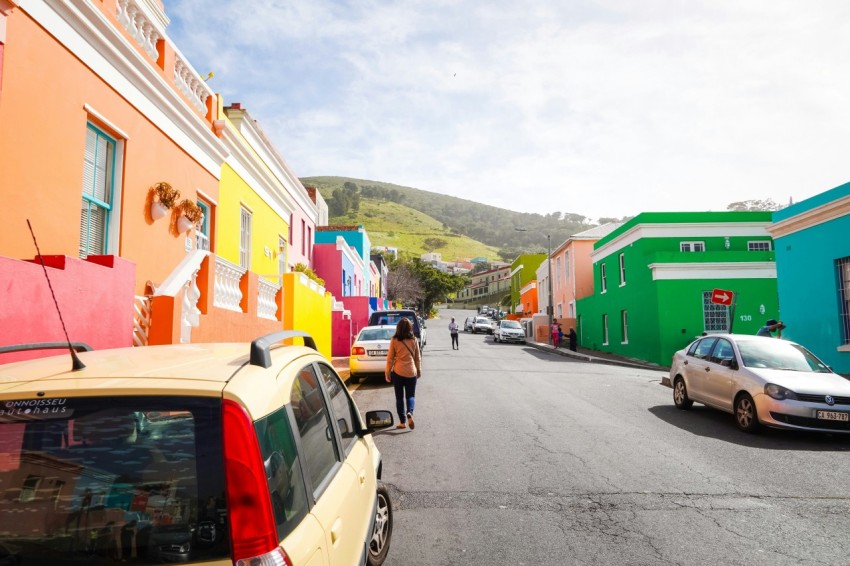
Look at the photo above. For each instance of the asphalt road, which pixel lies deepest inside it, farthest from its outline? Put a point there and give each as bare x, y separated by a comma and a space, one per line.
523, 457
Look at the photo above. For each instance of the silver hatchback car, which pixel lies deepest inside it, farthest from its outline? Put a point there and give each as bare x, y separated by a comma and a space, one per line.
761, 381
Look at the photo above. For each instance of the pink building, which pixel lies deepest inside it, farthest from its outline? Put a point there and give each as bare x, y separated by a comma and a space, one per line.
572, 272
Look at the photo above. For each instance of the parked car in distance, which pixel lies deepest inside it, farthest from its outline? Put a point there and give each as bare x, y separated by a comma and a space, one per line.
468, 323
482, 324
509, 331
214, 453
369, 351
379, 318
761, 381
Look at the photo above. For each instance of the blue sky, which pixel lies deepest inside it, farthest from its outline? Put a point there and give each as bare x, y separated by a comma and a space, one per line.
598, 108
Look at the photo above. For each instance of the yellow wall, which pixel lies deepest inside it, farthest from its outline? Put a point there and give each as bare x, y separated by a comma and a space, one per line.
266, 225
313, 312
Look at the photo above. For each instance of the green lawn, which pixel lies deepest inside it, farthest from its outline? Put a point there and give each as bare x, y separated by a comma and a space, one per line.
395, 225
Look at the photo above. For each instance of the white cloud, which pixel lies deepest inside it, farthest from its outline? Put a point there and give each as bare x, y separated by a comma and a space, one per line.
596, 108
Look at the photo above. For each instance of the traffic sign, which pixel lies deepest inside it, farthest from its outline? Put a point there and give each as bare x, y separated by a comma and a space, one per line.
722, 297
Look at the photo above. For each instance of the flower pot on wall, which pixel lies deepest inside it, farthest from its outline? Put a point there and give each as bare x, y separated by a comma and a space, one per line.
158, 210
184, 224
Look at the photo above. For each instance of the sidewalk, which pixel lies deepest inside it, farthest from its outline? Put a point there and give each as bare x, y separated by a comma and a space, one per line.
595, 357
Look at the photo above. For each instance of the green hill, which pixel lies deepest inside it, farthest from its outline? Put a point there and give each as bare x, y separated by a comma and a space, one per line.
488, 226
399, 226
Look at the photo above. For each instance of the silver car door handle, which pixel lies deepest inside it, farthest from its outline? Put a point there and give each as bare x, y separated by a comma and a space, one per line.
707, 369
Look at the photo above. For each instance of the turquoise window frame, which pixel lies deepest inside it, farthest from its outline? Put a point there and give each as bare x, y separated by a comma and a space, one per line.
86, 246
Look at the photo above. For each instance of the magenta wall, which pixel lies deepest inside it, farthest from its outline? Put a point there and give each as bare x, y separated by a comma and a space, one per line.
359, 307
327, 263
341, 335
95, 295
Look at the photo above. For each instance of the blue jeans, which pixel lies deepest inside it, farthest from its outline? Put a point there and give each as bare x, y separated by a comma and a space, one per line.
405, 390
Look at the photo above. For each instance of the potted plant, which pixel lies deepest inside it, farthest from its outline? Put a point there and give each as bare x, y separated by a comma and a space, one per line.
164, 198
190, 215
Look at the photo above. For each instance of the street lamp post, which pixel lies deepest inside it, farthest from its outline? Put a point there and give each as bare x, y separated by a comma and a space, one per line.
550, 308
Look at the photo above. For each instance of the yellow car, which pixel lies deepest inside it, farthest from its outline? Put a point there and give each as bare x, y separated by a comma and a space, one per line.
225, 454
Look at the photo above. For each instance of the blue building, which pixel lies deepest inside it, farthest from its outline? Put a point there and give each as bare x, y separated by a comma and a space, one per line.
354, 236
812, 240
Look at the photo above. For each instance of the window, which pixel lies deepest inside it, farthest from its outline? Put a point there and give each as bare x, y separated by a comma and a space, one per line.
843, 267
202, 234
692, 246
309, 243
303, 237
572, 309
622, 269
558, 273
624, 322
602, 278
98, 189
703, 348
283, 470
715, 316
723, 353
604, 329
281, 255
311, 416
29, 488
566, 264
345, 417
758, 246
245, 239
560, 314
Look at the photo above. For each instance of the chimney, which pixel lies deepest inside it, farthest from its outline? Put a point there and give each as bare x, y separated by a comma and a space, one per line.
312, 192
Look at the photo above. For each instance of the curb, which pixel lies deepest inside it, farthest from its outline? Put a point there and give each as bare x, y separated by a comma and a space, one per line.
594, 359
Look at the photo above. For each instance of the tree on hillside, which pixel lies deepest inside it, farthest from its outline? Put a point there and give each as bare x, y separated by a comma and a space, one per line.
412, 281
403, 283
765, 205
432, 244
479, 267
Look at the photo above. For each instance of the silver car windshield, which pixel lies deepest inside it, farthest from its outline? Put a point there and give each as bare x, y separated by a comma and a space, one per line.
778, 354
510, 324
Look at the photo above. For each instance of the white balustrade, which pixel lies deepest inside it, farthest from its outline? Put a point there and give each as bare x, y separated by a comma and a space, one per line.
190, 314
140, 28
191, 84
228, 294
266, 304
141, 320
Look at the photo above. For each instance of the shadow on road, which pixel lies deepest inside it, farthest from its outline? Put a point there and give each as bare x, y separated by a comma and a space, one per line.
711, 423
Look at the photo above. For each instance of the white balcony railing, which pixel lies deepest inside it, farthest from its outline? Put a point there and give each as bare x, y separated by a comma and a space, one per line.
134, 20
266, 304
141, 320
228, 294
188, 81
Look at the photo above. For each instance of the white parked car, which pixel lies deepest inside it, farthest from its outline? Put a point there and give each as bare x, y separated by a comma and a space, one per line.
761, 381
369, 351
509, 331
482, 324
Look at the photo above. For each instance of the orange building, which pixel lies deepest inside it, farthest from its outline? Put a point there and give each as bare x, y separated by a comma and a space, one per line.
97, 106
572, 272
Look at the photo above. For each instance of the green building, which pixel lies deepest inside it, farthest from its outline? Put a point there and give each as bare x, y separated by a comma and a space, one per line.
654, 277
523, 270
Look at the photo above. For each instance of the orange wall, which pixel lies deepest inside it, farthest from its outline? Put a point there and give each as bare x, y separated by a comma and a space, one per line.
42, 142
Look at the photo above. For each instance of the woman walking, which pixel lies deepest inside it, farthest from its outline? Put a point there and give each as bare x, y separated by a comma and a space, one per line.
403, 369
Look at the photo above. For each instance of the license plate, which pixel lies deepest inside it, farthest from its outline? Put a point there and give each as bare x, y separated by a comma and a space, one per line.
377, 352
833, 416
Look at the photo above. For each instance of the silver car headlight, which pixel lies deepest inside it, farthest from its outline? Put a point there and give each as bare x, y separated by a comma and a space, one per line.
778, 392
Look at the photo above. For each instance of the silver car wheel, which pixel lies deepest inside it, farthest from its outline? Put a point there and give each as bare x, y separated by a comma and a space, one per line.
680, 395
380, 541
745, 413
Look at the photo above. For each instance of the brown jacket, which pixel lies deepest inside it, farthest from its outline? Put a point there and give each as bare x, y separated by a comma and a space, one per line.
402, 361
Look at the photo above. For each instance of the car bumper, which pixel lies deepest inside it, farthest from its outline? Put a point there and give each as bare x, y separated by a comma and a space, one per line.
506, 338
367, 365
801, 415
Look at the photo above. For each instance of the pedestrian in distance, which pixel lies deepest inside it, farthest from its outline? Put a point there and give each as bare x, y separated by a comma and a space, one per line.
453, 330
404, 367
555, 338
770, 327
573, 340
560, 335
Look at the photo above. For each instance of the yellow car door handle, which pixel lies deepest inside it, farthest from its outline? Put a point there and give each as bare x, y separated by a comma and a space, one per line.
362, 477
336, 530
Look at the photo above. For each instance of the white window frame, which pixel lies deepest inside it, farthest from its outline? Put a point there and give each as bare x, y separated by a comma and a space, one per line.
202, 233
246, 221
624, 322
622, 269
603, 278
759, 246
691, 246
283, 255
566, 265
558, 273
604, 329
111, 190
572, 309
560, 311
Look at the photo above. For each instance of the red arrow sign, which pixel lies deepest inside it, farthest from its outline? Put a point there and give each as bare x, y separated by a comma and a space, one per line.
722, 297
